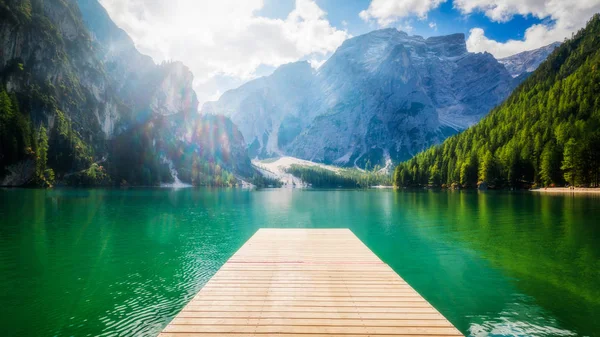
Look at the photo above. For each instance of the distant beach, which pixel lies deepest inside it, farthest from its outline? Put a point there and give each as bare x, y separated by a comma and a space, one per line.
567, 190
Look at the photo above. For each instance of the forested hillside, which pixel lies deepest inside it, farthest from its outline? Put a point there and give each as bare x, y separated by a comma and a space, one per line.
547, 132
21, 143
319, 177
79, 105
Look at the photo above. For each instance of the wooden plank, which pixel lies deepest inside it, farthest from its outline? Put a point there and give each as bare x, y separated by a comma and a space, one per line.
310, 314
188, 334
308, 329
245, 308
304, 321
281, 303
307, 282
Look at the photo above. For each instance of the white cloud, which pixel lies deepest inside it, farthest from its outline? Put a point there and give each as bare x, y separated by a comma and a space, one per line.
386, 12
562, 18
225, 38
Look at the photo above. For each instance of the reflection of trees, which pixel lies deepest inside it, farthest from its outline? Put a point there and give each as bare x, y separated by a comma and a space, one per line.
474, 256
547, 244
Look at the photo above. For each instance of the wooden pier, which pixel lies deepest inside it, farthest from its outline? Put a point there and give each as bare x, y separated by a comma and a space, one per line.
307, 282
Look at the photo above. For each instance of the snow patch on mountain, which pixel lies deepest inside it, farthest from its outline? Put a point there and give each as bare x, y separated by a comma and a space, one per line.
276, 168
379, 99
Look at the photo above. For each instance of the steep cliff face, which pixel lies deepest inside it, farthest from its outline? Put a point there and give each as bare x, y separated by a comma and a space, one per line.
172, 92
46, 55
527, 61
270, 111
388, 95
381, 97
165, 89
164, 111
78, 75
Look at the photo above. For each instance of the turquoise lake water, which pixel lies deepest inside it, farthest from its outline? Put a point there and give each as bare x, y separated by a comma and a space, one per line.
124, 262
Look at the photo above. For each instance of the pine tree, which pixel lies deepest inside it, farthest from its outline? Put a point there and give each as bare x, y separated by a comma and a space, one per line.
44, 175
550, 165
569, 164
546, 131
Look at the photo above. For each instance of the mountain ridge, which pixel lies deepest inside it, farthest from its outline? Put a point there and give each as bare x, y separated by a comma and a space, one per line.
86, 107
545, 133
527, 61
382, 96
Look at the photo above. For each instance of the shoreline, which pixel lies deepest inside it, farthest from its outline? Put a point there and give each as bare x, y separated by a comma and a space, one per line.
565, 190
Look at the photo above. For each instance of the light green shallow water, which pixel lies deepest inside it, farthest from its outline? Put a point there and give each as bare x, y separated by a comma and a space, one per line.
124, 262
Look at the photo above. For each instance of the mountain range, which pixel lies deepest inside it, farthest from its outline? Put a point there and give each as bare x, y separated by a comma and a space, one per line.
380, 98
81, 105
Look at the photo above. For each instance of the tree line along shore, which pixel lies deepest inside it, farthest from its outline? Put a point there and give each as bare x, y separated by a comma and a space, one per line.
546, 134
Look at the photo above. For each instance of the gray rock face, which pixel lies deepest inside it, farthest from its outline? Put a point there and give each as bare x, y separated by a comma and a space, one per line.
51, 46
527, 61
271, 111
67, 57
165, 89
163, 95
19, 174
381, 97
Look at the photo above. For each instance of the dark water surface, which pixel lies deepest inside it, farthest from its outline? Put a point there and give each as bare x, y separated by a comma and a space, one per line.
124, 262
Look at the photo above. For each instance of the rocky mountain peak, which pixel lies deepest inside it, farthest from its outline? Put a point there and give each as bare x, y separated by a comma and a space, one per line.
165, 89
173, 92
380, 97
80, 76
294, 69
527, 61
448, 45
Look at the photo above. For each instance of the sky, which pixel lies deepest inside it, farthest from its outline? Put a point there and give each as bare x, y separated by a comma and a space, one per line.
226, 43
